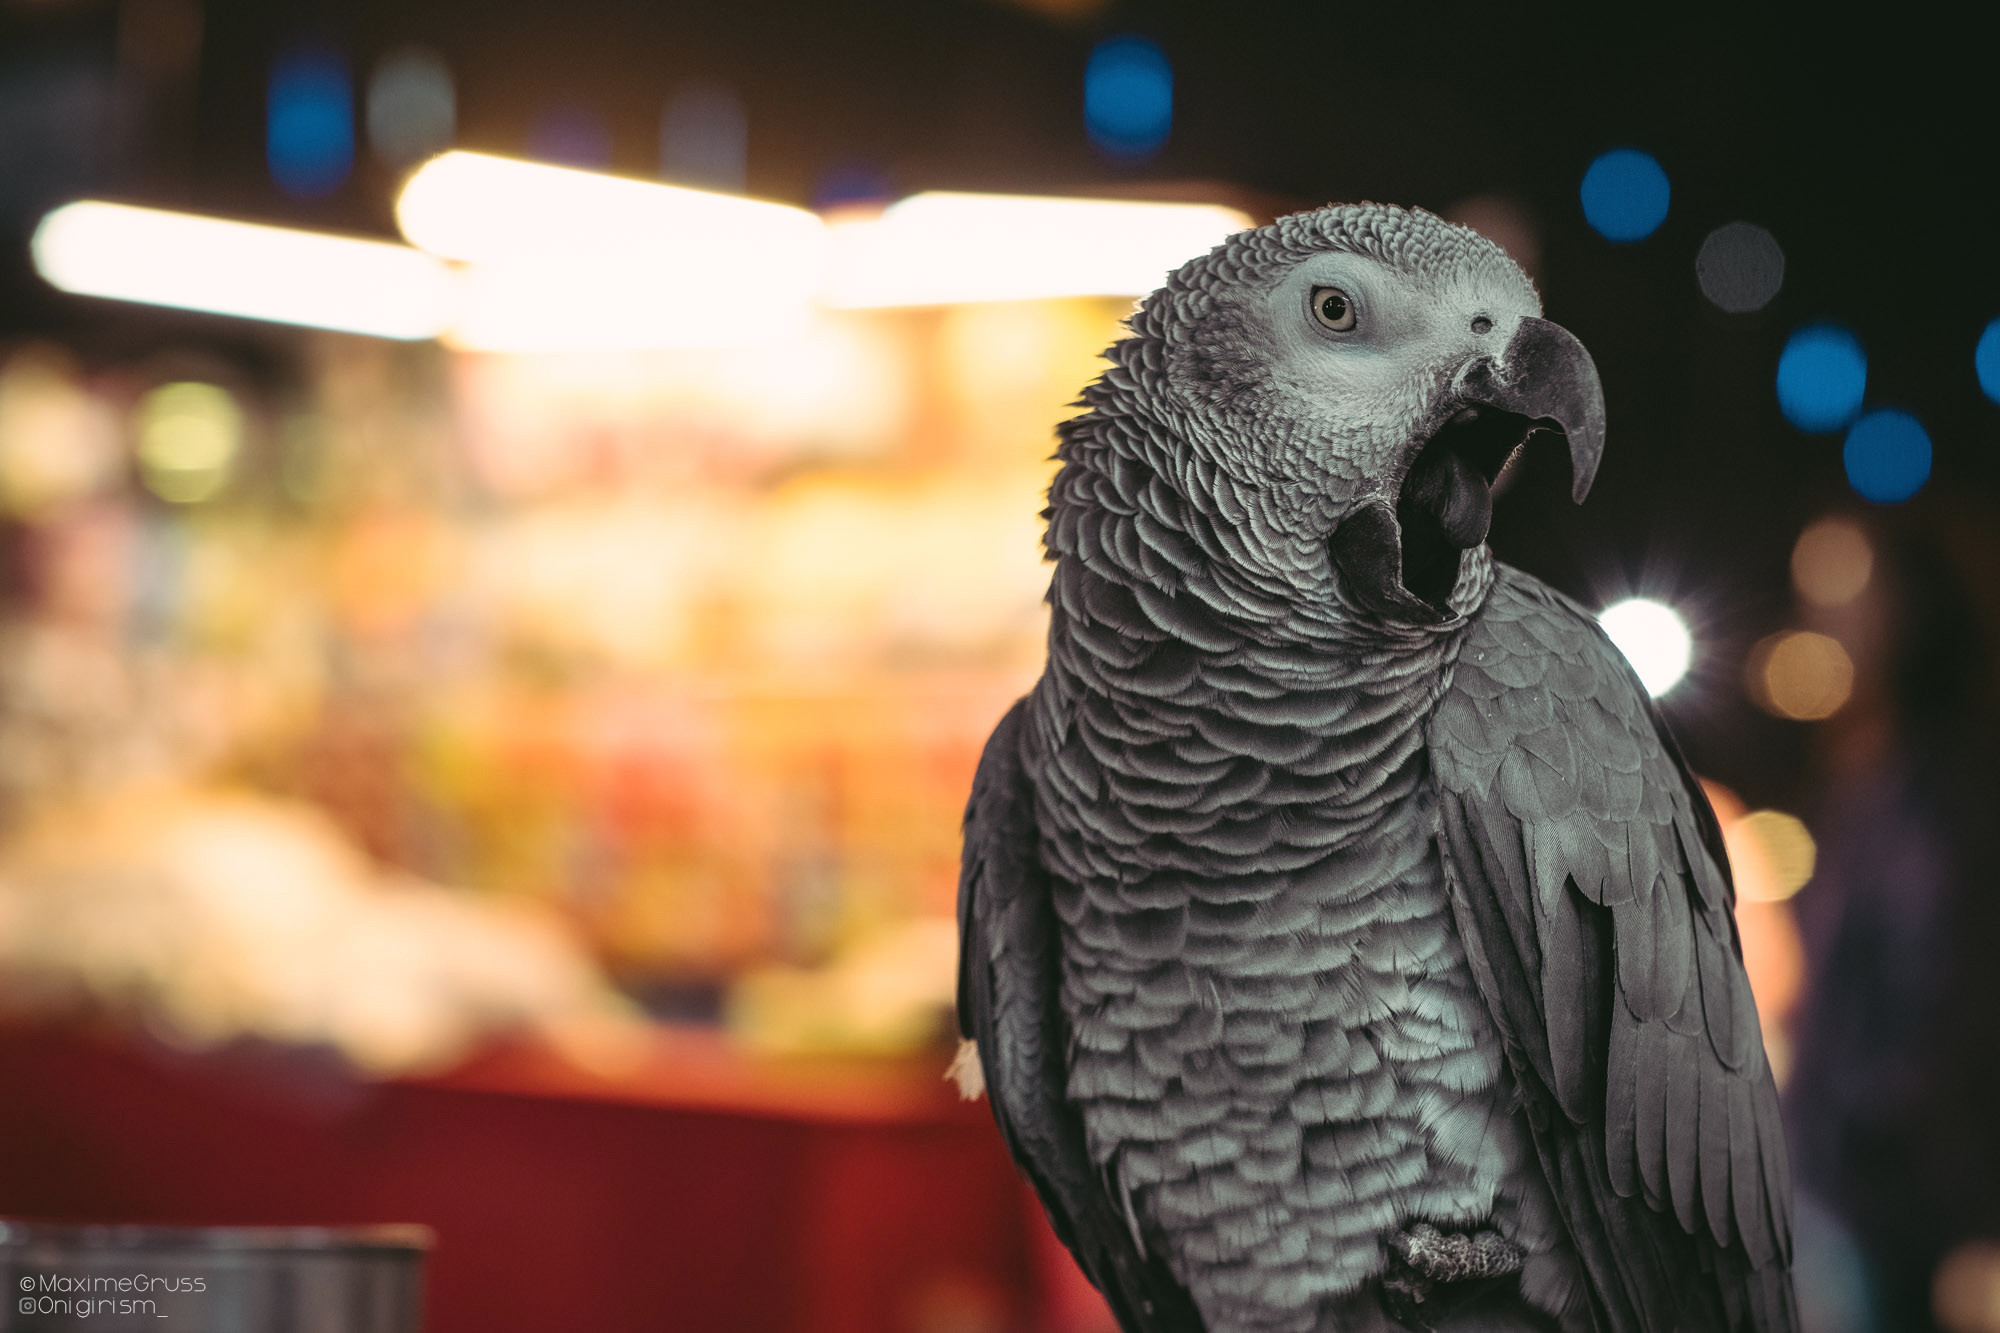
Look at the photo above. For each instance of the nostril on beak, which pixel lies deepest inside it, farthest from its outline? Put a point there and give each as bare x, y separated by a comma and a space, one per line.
1465, 416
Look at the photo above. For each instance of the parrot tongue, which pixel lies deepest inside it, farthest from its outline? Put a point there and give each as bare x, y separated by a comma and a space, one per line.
1404, 564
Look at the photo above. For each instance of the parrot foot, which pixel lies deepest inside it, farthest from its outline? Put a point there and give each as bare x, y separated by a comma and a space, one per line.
1426, 1258
1440, 1256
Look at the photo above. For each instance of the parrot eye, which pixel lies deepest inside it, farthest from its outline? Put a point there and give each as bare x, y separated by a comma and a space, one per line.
1333, 308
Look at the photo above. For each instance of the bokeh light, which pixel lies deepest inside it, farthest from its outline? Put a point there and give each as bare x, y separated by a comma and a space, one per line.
309, 125
705, 136
1740, 267
1986, 361
1654, 639
1822, 375
58, 441
1888, 456
1780, 847
1128, 97
1800, 675
1832, 562
1625, 195
187, 436
412, 107
1965, 1289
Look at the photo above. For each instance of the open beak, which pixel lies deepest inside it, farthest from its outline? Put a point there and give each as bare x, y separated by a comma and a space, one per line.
1403, 562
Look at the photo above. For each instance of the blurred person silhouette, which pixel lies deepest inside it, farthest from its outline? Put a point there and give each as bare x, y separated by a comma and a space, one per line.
1894, 1099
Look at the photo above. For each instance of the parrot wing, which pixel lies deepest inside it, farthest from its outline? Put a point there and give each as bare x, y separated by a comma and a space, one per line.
1591, 888
1008, 972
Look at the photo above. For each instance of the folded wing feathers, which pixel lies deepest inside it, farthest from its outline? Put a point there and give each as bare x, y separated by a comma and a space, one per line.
1560, 789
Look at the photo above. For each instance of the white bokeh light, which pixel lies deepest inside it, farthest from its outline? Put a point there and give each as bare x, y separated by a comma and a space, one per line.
1654, 639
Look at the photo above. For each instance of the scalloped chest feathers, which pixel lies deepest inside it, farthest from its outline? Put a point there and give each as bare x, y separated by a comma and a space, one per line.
1276, 1045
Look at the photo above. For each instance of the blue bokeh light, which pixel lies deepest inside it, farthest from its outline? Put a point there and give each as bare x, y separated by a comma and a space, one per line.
1986, 361
309, 121
1625, 195
1822, 374
1128, 97
1888, 456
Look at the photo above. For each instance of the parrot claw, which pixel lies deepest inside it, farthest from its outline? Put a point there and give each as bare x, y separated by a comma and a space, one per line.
1426, 1258
1454, 1256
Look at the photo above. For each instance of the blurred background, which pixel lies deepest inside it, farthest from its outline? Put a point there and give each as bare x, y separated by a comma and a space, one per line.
516, 520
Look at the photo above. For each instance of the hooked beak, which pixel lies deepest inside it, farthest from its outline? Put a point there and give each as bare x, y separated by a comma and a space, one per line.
1403, 562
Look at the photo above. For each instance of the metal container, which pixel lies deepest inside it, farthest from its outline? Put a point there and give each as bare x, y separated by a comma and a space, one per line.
118, 1279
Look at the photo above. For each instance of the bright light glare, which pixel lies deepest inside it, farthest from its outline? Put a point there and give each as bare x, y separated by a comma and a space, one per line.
569, 260
475, 207
943, 248
239, 268
1654, 639
583, 303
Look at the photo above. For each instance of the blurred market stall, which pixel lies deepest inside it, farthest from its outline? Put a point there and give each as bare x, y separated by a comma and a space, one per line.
674, 663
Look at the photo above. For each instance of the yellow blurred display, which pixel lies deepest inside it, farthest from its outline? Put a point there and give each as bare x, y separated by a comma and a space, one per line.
1774, 855
214, 917
691, 650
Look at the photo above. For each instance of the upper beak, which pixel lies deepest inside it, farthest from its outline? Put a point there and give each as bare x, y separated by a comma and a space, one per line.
1546, 376
1403, 563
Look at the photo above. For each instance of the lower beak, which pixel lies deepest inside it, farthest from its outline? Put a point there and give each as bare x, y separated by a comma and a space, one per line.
1403, 562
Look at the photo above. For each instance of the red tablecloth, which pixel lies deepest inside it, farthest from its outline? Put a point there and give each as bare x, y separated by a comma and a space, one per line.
704, 1190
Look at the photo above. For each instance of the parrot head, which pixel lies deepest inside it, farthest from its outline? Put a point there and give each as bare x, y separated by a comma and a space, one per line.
1366, 374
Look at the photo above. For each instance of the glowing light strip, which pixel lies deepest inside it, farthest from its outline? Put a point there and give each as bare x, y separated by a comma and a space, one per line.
472, 206
244, 269
944, 248
565, 259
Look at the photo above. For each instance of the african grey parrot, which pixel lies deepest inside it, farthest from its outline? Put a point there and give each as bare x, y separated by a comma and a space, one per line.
1345, 942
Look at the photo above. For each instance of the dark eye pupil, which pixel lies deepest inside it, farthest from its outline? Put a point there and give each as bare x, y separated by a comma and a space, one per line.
1333, 306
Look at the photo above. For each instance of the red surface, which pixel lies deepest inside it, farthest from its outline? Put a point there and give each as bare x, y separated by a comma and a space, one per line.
703, 1191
